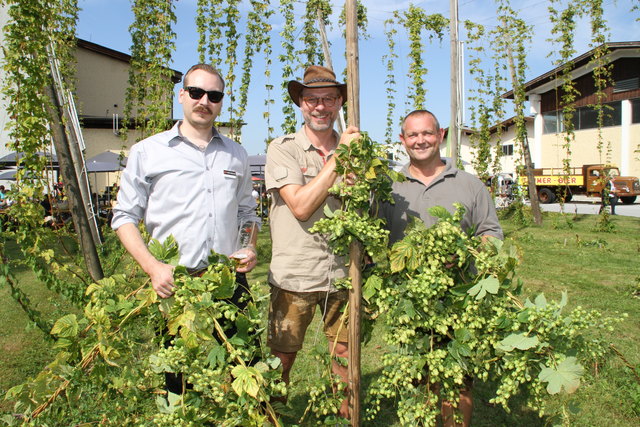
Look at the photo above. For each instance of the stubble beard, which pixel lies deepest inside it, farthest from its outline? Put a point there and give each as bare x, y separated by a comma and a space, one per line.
317, 127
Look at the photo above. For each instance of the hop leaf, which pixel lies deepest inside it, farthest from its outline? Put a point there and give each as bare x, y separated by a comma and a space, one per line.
247, 380
166, 252
440, 212
488, 284
66, 326
566, 375
519, 341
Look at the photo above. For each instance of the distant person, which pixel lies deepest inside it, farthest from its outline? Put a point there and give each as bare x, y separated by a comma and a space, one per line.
300, 169
194, 184
58, 190
3, 197
432, 182
609, 197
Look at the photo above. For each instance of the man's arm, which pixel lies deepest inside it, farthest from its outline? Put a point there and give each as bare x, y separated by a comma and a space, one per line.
304, 200
484, 215
161, 274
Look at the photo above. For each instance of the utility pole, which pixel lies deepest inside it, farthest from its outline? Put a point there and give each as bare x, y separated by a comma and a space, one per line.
454, 121
355, 249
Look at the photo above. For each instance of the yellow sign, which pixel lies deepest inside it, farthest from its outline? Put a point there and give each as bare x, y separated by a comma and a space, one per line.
554, 180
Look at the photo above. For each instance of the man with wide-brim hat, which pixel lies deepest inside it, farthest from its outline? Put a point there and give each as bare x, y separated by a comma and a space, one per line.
299, 171
316, 76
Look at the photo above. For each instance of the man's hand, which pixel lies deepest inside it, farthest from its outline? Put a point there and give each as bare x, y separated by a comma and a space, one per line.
161, 275
349, 135
247, 259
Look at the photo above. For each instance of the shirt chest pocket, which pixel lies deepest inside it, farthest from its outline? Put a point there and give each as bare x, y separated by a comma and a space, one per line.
310, 173
229, 183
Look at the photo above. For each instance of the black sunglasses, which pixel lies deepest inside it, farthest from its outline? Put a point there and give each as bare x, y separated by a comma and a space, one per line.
197, 93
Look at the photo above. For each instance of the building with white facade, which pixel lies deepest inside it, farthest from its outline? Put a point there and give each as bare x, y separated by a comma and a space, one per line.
621, 130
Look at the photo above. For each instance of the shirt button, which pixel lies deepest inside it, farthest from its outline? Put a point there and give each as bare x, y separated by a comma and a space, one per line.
210, 215
209, 191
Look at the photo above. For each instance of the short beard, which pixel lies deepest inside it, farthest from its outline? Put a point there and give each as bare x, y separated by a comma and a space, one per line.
319, 128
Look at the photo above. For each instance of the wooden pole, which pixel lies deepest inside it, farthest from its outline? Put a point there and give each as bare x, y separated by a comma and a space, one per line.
455, 75
327, 61
355, 250
74, 194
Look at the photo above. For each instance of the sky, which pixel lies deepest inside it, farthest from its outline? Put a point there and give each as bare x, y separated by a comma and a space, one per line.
106, 22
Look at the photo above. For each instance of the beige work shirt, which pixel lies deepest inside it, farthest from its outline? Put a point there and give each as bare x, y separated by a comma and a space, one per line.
301, 261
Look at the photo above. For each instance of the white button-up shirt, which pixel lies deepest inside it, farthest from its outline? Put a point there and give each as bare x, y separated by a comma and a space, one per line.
201, 197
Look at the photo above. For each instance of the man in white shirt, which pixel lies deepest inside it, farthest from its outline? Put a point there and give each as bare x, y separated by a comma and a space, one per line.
194, 184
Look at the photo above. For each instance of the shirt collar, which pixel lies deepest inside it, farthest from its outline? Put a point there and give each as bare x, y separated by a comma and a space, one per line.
305, 142
175, 137
449, 170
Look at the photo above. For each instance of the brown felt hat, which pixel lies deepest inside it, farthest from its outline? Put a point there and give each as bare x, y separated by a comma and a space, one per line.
316, 76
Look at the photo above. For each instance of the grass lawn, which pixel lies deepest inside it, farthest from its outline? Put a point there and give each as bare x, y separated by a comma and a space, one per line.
599, 270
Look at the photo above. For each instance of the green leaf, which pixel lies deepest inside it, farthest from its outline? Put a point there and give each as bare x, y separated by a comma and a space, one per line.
66, 326
461, 290
406, 306
246, 380
327, 211
541, 301
489, 284
566, 375
463, 335
564, 299
216, 356
242, 325
503, 322
261, 367
370, 174
371, 287
523, 316
166, 252
520, 341
458, 350
227, 284
439, 212
400, 253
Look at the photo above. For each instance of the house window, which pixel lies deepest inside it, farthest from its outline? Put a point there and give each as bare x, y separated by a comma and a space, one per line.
507, 150
552, 122
584, 118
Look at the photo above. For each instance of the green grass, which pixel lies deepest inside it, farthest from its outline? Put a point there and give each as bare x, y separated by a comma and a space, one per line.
599, 271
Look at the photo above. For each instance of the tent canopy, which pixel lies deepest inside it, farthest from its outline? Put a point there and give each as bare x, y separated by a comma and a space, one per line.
107, 161
8, 175
94, 166
108, 157
11, 159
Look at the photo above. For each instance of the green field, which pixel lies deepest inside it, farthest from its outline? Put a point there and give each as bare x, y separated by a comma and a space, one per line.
599, 270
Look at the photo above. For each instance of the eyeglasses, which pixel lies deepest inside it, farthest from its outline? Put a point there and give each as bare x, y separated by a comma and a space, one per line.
313, 101
197, 93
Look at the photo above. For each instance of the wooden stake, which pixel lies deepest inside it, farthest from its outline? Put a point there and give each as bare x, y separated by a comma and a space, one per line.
455, 75
328, 63
531, 181
355, 250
